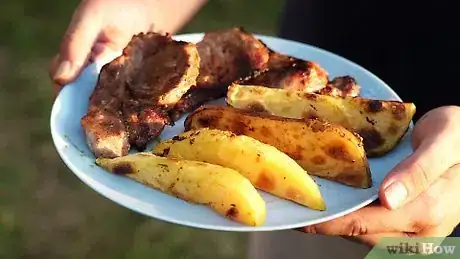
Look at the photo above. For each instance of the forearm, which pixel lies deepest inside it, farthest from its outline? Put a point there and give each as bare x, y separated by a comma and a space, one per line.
171, 15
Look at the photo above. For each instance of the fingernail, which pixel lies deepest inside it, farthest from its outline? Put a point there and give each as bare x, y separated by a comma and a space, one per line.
63, 70
395, 194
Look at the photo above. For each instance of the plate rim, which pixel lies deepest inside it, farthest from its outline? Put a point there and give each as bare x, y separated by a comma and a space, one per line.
168, 219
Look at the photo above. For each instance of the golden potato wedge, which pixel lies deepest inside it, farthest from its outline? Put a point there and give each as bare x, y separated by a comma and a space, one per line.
380, 123
224, 190
267, 168
321, 148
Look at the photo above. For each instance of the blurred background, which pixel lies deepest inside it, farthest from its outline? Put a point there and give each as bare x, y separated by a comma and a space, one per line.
47, 212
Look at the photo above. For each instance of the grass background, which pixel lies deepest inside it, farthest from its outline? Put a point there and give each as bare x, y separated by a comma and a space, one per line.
45, 211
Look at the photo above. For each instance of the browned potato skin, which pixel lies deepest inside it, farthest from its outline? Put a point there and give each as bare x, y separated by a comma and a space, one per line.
322, 149
265, 166
380, 123
222, 189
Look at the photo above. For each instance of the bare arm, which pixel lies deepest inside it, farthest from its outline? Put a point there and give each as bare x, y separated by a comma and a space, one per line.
171, 15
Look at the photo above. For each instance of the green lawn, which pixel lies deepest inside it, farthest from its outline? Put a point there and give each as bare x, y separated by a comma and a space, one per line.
45, 211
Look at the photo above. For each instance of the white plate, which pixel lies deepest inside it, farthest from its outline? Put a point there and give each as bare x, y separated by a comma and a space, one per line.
68, 137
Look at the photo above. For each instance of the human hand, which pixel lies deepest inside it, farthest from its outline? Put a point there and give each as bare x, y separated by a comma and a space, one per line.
98, 28
419, 197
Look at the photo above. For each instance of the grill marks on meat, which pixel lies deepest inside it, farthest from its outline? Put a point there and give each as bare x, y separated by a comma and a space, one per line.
157, 79
295, 74
143, 122
105, 133
161, 70
289, 73
229, 54
195, 98
342, 86
225, 55
135, 91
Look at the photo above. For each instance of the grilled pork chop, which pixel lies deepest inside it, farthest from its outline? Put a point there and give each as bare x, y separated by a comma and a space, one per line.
342, 86
135, 91
226, 55
289, 73
233, 55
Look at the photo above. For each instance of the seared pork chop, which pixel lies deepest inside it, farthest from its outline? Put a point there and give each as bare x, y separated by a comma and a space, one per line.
134, 92
289, 73
226, 55
342, 86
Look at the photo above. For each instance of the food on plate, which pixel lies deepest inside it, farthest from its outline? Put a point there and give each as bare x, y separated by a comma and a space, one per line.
380, 123
342, 86
157, 79
267, 168
224, 190
291, 73
226, 55
233, 55
135, 91
321, 148
287, 72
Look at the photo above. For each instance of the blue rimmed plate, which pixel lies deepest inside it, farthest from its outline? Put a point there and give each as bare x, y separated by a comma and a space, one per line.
69, 139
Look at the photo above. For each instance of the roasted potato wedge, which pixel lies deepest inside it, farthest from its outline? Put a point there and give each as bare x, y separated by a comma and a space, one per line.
380, 123
267, 168
224, 190
321, 148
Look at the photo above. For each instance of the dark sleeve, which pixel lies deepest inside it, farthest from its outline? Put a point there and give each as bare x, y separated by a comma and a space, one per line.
415, 55
339, 27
